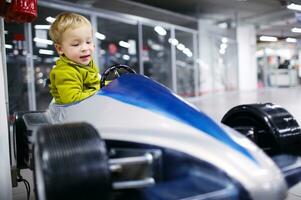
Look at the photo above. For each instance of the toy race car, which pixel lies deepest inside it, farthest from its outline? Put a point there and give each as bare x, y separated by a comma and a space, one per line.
135, 139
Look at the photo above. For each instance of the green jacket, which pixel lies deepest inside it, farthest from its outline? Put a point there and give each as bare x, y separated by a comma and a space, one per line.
71, 82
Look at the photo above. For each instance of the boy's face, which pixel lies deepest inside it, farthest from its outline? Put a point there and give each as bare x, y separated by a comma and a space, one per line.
77, 44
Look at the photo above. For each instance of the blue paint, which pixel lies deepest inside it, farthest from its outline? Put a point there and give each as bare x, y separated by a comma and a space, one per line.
141, 91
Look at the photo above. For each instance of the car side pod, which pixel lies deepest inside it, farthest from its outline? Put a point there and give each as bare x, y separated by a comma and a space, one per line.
71, 162
270, 126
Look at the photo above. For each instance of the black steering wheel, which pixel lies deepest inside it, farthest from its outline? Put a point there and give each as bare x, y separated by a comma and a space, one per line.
113, 72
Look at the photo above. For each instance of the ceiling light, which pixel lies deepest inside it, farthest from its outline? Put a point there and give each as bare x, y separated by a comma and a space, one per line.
42, 27
125, 57
181, 46
124, 44
46, 52
160, 30
8, 46
173, 41
268, 38
223, 46
296, 30
291, 40
293, 6
187, 52
100, 36
222, 51
224, 40
132, 49
43, 41
50, 19
223, 25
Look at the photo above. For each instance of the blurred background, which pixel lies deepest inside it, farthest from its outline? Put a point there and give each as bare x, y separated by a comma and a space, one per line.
193, 47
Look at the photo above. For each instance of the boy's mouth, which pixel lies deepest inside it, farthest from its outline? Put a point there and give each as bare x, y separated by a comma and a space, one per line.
86, 56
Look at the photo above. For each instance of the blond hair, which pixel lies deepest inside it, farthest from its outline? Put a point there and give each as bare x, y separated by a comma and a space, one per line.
64, 21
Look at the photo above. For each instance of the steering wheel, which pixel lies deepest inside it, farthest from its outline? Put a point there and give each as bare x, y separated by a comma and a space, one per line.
113, 72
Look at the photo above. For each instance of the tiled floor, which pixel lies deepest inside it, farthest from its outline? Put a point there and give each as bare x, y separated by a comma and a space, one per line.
216, 105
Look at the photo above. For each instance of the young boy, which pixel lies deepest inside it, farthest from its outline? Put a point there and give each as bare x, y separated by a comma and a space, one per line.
75, 76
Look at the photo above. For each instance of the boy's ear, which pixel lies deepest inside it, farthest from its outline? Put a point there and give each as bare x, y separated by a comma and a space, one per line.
59, 49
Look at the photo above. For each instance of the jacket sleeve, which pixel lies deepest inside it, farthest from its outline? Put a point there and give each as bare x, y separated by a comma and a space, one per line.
69, 85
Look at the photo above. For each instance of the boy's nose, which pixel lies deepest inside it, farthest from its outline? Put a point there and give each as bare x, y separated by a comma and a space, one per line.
85, 47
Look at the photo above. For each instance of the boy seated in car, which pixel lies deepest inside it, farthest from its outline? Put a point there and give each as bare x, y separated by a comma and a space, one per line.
75, 75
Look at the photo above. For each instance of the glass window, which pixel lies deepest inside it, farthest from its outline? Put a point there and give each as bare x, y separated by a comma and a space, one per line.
15, 45
118, 44
157, 54
184, 63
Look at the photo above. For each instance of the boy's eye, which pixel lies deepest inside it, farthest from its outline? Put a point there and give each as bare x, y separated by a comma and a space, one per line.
74, 45
89, 42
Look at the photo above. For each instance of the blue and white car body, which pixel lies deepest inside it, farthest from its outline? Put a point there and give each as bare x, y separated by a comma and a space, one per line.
136, 111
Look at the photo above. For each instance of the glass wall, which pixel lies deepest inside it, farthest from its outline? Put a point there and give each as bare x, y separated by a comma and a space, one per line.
156, 54
118, 43
118, 40
184, 63
16, 50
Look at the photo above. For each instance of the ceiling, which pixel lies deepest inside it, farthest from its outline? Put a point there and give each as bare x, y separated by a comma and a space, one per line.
271, 17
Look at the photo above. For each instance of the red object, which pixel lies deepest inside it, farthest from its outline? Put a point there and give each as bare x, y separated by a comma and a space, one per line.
19, 37
21, 11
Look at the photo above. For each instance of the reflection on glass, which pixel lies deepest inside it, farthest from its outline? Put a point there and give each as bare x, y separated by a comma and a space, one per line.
230, 62
15, 46
118, 44
184, 63
225, 70
157, 54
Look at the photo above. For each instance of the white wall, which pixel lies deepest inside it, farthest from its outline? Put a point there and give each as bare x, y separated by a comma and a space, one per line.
247, 65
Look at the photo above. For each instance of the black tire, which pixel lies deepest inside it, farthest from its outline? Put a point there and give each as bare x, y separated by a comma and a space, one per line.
270, 126
70, 163
21, 150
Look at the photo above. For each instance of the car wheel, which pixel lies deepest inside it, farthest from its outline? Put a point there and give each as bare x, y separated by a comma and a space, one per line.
70, 162
270, 126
